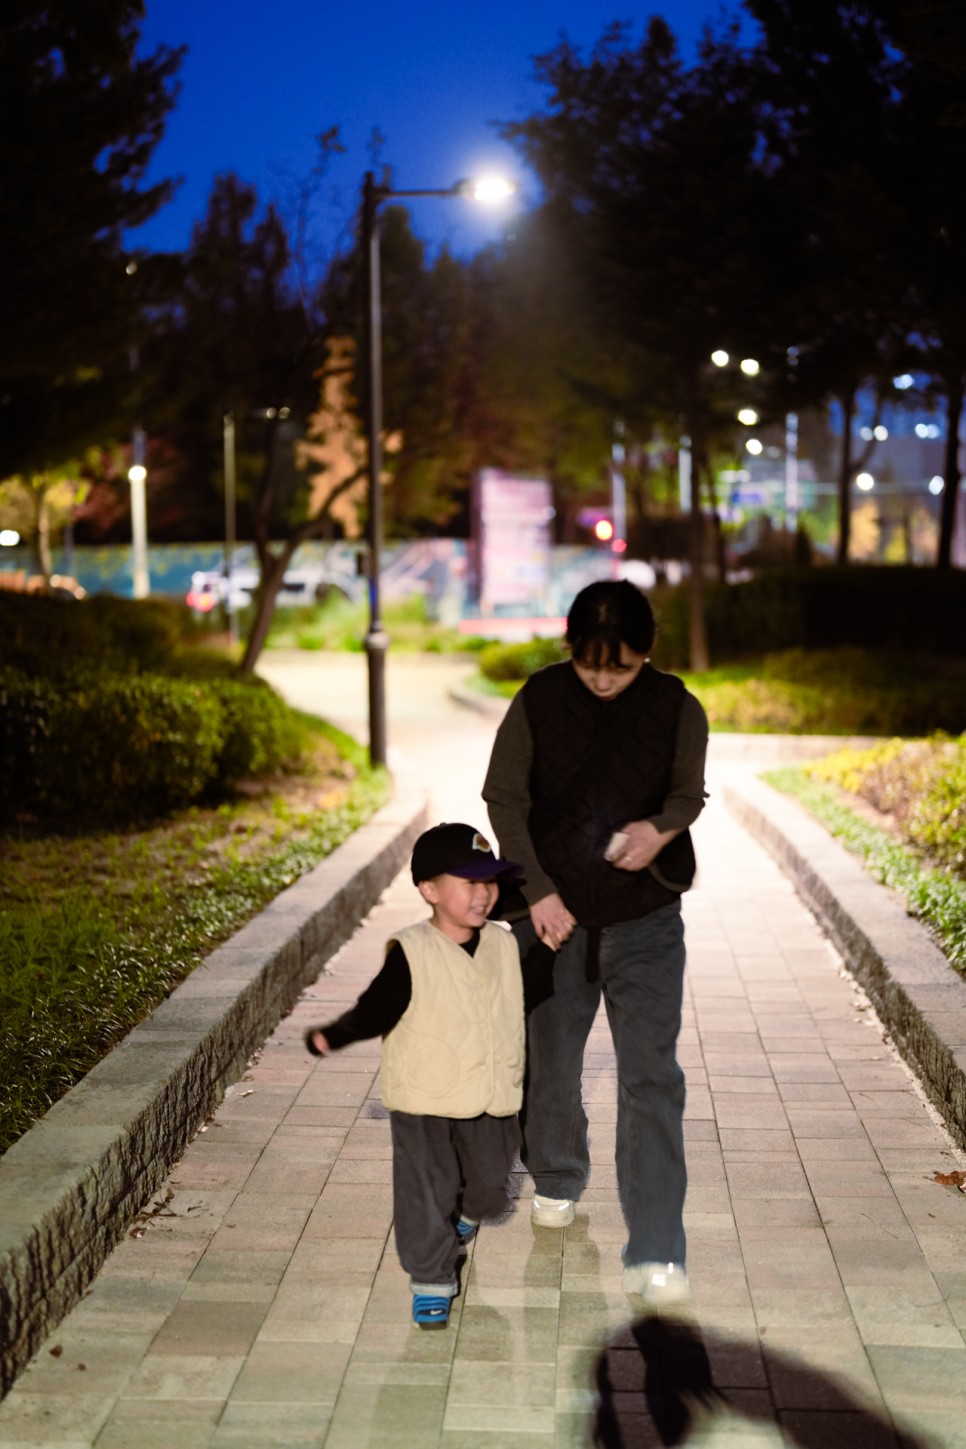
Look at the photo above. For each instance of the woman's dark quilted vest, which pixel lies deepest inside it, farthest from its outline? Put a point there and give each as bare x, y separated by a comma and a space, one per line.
597, 765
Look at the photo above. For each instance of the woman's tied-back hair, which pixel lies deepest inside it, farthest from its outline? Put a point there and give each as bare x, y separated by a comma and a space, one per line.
606, 615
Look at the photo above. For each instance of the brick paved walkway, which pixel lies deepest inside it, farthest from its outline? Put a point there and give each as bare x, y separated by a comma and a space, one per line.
259, 1301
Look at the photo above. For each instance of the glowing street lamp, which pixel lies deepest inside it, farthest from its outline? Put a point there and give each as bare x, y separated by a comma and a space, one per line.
483, 188
486, 189
749, 365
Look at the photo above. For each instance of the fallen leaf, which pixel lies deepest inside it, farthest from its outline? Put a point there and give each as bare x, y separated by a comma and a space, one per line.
951, 1179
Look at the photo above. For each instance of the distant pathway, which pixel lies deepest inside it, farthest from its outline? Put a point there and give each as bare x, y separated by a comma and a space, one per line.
446, 744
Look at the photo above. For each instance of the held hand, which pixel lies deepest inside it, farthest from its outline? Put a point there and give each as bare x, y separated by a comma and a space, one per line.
552, 921
316, 1042
642, 844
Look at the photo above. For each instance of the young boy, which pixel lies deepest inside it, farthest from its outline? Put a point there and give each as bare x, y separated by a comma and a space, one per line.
448, 1004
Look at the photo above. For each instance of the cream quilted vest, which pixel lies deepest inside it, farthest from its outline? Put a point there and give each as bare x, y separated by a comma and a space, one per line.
458, 1048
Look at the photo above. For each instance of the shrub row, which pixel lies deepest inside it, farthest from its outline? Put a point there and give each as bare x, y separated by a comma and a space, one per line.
876, 609
501, 662
107, 749
800, 691
835, 691
46, 635
869, 607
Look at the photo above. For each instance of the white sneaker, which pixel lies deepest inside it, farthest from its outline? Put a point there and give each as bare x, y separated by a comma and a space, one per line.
551, 1212
657, 1283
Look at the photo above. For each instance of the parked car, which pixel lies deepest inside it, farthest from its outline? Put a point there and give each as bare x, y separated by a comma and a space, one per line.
211, 588
299, 586
62, 586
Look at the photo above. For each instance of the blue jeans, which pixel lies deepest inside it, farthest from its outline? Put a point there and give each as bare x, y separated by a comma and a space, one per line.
642, 979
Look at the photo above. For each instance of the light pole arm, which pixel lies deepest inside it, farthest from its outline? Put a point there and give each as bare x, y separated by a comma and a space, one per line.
384, 193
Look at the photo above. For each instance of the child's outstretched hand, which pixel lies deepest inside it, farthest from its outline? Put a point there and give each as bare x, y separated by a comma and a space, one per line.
316, 1042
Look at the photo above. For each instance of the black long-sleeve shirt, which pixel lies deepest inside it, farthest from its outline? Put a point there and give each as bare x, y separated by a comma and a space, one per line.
382, 1003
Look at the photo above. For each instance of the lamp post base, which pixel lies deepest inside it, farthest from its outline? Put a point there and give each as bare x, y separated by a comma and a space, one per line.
377, 642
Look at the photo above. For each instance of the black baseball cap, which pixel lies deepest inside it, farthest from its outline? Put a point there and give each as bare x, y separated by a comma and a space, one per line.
453, 849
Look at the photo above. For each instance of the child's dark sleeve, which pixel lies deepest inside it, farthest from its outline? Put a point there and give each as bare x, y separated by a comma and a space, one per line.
379, 1007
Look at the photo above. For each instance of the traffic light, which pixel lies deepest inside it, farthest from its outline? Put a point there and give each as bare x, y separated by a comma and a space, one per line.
601, 524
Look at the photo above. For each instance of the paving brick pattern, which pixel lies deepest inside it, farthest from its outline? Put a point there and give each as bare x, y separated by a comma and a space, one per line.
258, 1300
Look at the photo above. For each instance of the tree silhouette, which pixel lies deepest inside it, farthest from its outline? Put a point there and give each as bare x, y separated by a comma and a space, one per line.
830, 91
932, 36
654, 173
80, 114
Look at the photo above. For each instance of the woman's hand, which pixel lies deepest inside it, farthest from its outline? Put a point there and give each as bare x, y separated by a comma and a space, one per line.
642, 845
552, 921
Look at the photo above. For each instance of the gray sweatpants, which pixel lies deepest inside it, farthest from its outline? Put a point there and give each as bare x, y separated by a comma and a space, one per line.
442, 1168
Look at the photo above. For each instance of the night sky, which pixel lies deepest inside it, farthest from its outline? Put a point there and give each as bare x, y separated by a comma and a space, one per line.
260, 82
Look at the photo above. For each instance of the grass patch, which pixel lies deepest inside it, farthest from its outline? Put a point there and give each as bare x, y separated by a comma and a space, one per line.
935, 897
96, 930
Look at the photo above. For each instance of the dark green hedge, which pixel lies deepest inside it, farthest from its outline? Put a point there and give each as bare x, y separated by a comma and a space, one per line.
518, 661
905, 610
909, 610
42, 634
259, 732
102, 748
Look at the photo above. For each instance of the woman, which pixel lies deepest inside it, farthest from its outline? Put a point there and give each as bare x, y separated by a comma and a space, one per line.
597, 772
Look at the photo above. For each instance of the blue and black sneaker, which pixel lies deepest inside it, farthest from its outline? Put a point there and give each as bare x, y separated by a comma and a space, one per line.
430, 1311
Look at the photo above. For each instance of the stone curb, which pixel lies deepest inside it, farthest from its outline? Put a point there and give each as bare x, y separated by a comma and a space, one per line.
490, 705
72, 1184
920, 998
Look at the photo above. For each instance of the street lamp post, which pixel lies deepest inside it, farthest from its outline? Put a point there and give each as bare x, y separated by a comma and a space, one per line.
618, 497
137, 474
791, 450
137, 477
377, 641
228, 440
